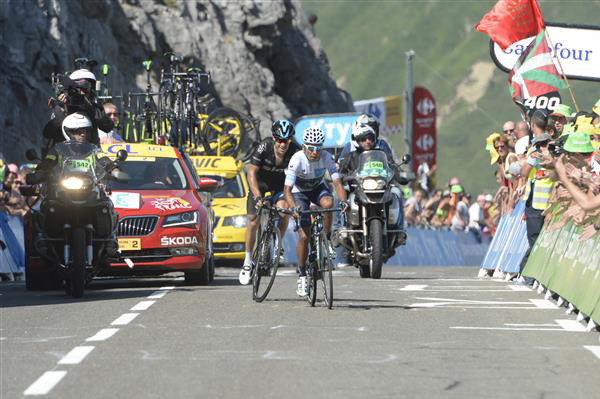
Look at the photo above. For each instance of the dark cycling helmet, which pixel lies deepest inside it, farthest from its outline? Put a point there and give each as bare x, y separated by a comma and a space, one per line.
75, 122
282, 129
370, 120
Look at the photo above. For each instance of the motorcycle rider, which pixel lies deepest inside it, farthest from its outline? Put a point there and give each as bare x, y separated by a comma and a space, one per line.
305, 184
79, 98
76, 130
366, 138
266, 173
380, 144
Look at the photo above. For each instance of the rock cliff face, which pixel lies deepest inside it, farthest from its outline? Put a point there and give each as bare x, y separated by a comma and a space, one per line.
263, 56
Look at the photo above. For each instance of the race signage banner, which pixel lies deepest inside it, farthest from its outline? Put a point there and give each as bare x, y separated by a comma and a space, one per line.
337, 127
423, 129
387, 109
577, 47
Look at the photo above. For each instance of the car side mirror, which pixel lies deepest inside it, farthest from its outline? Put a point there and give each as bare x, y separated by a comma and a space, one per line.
207, 184
32, 155
121, 155
406, 158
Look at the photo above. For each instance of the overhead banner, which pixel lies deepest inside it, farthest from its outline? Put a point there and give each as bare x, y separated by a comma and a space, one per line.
337, 127
576, 46
423, 129
387, 109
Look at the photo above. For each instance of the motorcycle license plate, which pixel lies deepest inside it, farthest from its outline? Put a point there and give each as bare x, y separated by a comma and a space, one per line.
130, 244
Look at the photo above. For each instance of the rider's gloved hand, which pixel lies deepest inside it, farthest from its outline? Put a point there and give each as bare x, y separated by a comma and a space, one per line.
259, 202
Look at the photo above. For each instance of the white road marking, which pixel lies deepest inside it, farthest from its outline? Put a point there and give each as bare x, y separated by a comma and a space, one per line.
157, 294
277, 327
519, 288
413, 287
103, 334
530, 325
571, 325
124, 319
507, 328
594, 349
543, 304
143, 305
170, 287
388, 358
76, 355
45, 383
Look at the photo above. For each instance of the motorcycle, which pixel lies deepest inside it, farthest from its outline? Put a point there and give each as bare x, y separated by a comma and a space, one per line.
372, 227
76, 221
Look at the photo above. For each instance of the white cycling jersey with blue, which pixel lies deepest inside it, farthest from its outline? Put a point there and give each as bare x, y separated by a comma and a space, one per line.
305, 175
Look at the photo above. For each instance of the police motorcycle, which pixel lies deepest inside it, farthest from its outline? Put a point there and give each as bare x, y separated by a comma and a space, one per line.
372, 227
75, 225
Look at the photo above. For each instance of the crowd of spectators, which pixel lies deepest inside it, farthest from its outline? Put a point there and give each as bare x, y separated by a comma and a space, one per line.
451, 207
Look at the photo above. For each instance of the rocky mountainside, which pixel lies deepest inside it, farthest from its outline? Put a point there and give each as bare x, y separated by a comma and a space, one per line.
263, 56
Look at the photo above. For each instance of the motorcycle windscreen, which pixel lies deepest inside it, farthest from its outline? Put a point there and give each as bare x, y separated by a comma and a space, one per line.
373, 164
78, 158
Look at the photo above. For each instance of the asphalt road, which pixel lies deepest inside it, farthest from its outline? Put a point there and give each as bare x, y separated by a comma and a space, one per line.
416, 333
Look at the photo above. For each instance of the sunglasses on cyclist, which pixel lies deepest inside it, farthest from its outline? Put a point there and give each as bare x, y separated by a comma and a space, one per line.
313, 148
281, 141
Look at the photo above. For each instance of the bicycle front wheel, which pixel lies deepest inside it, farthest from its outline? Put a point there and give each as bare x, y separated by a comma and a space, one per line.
312, 272
326, 273
267, 262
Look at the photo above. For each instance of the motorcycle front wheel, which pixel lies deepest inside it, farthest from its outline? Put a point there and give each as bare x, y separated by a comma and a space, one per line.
76, 282
376, 239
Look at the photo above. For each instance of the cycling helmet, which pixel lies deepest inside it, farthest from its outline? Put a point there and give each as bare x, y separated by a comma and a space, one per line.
282, 129
360, 131
313, 136
76, 121
368, 119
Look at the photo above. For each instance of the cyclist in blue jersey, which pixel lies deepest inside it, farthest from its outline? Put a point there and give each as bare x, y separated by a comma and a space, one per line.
305, 184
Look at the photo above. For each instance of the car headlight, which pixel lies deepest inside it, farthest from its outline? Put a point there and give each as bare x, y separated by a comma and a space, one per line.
373, 184
238, 221
185, 219
75, 183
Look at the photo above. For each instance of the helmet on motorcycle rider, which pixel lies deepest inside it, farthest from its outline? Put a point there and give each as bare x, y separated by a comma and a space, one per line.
369, 119
313, 136
75, 122
282, 129
362, 131
84, 79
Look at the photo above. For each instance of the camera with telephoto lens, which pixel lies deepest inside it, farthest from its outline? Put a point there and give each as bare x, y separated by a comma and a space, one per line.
556, 149
76, 101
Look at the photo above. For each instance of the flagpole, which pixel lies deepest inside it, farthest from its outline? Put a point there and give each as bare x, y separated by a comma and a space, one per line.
562, 71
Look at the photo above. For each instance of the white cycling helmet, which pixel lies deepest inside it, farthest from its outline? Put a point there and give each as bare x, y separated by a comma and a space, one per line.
361, 130
73, 122
82, 74
313, 136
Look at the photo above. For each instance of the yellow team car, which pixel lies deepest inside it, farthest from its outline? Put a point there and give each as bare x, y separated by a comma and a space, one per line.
228, 204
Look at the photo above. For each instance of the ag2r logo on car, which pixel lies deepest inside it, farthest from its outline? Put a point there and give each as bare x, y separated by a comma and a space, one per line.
172, 241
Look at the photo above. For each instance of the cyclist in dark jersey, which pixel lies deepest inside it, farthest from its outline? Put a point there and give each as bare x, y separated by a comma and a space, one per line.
266, 173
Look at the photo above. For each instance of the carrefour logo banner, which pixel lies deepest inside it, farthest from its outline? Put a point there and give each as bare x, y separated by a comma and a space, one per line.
576, 46
337, 127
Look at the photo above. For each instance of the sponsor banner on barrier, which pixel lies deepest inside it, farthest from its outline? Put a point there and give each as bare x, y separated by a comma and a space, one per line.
337, 127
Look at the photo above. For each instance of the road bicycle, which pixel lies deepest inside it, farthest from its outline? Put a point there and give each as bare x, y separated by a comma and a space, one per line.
320, 258
267, 251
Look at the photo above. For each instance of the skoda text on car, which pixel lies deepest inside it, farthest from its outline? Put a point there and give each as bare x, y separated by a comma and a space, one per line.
163, 224
228, 203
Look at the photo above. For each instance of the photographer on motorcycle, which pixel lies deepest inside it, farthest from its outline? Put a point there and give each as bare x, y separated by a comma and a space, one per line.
77, 94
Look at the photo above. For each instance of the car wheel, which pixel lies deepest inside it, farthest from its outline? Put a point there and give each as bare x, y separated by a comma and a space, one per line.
199, 277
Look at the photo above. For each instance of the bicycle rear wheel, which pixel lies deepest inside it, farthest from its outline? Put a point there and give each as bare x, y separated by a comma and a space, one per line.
326, 274
267, 262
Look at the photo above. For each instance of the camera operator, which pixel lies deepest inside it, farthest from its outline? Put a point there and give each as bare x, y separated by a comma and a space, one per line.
77, 95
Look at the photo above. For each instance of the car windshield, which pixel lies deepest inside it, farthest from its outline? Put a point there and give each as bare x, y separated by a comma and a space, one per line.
151, 174
228, 188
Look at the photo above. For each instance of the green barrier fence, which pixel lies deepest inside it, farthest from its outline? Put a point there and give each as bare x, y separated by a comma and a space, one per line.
568, 266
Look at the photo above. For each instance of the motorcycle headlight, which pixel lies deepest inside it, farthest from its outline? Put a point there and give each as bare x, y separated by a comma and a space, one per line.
75, 183
238, 221
185, 219
373, 184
